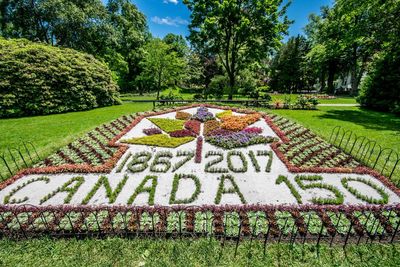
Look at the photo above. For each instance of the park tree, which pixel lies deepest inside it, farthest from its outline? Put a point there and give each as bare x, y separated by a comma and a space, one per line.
132, 33
81, 25
238, 32
288, 69
177, 43
161, 64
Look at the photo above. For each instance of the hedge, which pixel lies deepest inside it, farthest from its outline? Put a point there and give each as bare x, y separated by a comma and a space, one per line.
38, 79
380, 89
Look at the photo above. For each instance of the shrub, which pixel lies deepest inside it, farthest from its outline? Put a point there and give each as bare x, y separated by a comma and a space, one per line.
38, 79
380, 89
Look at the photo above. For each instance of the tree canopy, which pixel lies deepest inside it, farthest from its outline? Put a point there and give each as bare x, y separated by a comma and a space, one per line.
237, 32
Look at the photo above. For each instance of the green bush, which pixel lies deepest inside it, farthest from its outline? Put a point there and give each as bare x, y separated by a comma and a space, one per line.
380, 89
38, 79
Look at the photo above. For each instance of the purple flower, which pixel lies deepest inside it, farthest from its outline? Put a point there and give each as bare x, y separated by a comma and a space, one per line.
152, 131
203, 115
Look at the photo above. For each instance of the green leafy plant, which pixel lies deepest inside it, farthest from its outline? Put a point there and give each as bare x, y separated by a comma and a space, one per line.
168, 125
162, 158
140, 162
111, 195
151, 190
188, 155
384, 196
339, 198
232, 167
232, 190
175, 186
69, 187
254, 161
160, 140
219, 158
7, 198
123, 163
45, 79
293, 190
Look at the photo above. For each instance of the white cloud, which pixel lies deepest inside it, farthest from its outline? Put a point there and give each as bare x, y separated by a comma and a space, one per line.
175, 2
170, 21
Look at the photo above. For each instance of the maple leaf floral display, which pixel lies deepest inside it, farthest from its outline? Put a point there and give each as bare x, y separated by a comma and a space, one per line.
224, 130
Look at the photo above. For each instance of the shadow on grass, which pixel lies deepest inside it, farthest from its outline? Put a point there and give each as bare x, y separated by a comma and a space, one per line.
373, 120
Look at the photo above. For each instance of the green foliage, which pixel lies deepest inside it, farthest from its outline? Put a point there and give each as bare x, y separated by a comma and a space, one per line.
339, 198
224, 113
142, 188
238, 32
380, 90
219, 158
168, 125
163, 159
69, 187
115, 32
384, 196
295, 193
270, 156
306, 102
254, 161
217, 86
288, 74
140, 162
160, 140
232, 167
111, 195
188, 155
123, 162
175, 186
7, 198
234, 189
39, 79
161, 64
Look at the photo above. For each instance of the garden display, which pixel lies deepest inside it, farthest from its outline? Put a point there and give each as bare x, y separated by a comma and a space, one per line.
234, 165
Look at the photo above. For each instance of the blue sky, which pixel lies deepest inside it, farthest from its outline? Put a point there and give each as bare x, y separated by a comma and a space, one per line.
165, 16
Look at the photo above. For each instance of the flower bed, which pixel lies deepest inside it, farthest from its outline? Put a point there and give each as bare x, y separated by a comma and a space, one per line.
252, 169
160, 140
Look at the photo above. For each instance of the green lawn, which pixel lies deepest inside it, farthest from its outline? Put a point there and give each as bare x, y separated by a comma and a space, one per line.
203, 252
383, 127
337, 100
275, 97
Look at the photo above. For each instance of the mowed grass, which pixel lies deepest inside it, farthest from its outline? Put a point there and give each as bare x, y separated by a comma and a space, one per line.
338, 100
379, 126
203, 252
48, 133
275, 97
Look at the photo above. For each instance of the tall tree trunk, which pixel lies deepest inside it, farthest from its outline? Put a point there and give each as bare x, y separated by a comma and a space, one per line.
322, 81
331, 77
159, 86
354, 73
232, 84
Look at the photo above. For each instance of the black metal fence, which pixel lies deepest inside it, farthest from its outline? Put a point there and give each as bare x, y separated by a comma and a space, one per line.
369, 152
293, 224
16, 158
